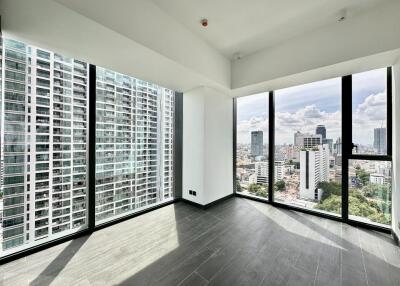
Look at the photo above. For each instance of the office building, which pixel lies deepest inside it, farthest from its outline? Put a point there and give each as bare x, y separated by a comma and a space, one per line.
261, 172
380, 140
314, 168
337, 147
257, 143
377, 179
304, 140
321, 130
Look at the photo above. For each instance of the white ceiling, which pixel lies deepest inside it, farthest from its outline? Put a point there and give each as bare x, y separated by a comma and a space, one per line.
247, 26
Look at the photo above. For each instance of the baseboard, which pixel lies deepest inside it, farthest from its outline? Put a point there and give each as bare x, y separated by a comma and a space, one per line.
209, 204
395, 238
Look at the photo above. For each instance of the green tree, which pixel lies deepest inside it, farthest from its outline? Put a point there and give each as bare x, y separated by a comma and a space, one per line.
254, 188
238, 186
280, 185
375, 210
329, 188
376, 191
262, 193
362, 175
331, 204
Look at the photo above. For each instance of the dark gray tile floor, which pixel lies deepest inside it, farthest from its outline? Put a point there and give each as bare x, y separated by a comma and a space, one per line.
238, 242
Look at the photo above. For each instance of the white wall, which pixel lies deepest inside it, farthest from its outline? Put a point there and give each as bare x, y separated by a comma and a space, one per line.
374, 32
193, 146
50, 25
207, 145
396, 150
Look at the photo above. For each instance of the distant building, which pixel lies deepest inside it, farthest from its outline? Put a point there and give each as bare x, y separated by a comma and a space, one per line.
304, 140
380, 140
256, 143
328, 142
321, 130
314, 168
337, 147
261, 171
377, 179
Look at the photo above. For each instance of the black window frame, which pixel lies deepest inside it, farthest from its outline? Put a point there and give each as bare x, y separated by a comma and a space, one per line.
347, 155
91, 172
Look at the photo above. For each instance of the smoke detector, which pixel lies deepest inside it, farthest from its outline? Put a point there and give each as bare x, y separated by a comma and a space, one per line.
237, 56
342, 15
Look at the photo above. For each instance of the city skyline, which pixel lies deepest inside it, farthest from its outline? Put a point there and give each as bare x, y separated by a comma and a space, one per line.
299, 110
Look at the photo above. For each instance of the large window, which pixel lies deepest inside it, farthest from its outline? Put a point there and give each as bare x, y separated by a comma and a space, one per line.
369, 108
332, 147
308, 146
44, 138
370, 193
252, 145
369, 158
43, 192
134, 134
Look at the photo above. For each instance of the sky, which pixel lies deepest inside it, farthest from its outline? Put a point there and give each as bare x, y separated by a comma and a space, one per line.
302, 108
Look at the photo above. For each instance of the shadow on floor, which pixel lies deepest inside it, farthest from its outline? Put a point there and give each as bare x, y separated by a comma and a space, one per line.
55, 267
250, 243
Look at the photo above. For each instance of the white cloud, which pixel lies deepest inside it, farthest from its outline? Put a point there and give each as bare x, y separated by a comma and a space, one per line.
306, 120
245, 127
369, 114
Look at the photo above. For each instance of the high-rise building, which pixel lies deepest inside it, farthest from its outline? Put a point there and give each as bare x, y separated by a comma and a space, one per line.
134, 144
380, 140
328, 142
321, 130
256, 143
337, 147
44, 129
314, 168
262, 173
304, 140
43, 144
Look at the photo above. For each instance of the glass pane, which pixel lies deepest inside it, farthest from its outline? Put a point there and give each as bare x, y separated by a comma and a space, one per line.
134, 144
43, 191
308, 152
252, 145
370, 191
369, 105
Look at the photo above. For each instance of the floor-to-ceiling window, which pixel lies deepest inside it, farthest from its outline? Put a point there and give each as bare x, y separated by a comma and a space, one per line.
43, 192
370, 168
45, 121
308, 146
134, 139
332, 147
252, 145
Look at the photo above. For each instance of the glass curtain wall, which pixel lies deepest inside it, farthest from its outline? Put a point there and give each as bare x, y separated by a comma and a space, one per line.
134, 143
308, 146
309, 152
43, 191
370, 189
252, 145
44, 101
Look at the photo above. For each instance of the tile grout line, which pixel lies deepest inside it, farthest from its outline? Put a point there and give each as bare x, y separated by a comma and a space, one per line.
362, 255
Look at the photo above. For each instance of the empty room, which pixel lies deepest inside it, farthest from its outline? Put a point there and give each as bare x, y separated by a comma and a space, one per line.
214, 142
